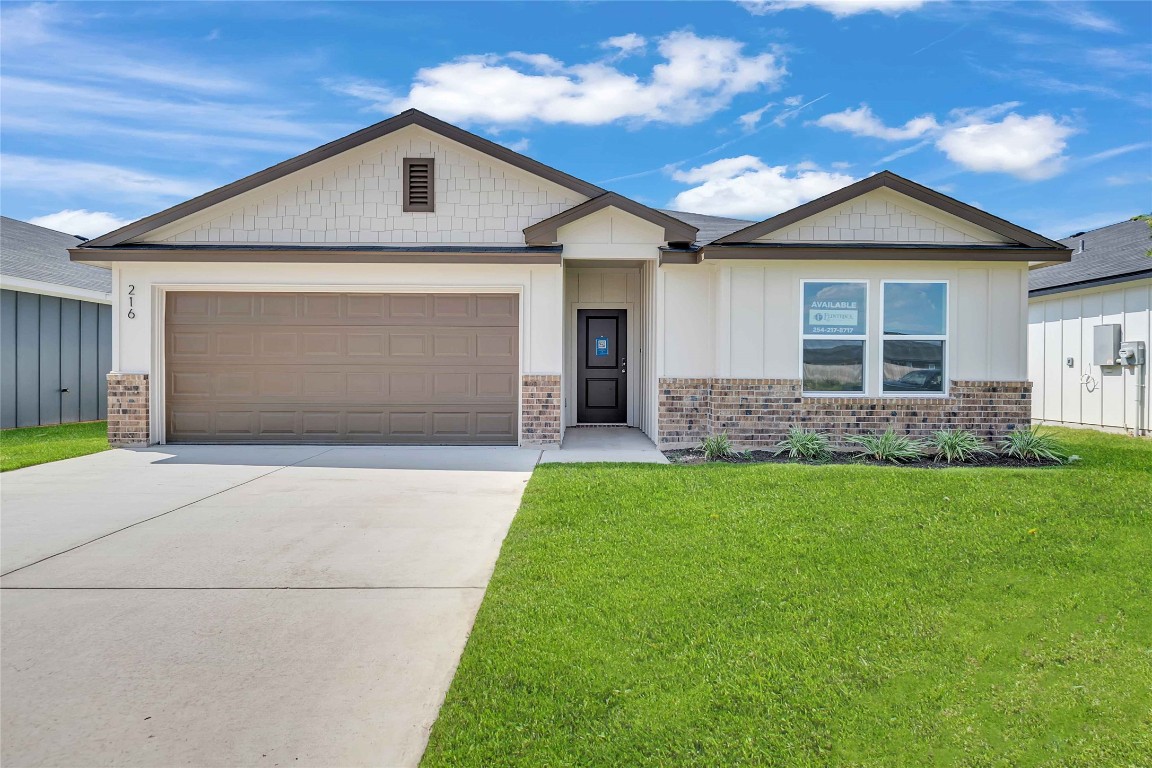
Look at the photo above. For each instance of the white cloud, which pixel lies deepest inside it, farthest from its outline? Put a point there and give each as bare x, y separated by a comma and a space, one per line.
627, 44
863, 122
697, 77
64, 177
838, 8
1027, 147
750, 120
519, 145
1077, 15
745, 187
81, 222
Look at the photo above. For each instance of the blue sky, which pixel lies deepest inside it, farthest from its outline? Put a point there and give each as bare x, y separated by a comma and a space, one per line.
1038, 112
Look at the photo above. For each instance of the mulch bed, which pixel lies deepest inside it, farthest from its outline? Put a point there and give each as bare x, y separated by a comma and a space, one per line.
696, 456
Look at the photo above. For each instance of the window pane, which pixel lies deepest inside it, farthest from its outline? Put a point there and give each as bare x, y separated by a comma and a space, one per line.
833, 366
915, 309
835, 309
913, 366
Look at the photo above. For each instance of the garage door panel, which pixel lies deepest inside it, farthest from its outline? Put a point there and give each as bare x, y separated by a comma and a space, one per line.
358, 368
360, 384
272, 308
346, 344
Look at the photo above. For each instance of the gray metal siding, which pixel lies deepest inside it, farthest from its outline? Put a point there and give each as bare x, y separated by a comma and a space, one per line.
48, 344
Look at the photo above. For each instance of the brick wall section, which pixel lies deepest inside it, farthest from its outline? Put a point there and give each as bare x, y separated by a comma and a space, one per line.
685, 410
758, 412
540, 420
127, 409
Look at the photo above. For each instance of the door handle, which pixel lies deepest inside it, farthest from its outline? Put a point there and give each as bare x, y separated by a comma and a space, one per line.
623, 365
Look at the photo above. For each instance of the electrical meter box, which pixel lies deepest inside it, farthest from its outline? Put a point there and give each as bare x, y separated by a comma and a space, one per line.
1132, 353
1106, 344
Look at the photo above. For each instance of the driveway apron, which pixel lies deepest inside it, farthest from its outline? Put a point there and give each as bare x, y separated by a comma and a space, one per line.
243, 605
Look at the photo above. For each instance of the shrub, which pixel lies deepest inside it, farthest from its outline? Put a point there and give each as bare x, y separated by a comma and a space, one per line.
957, 445
888, 447
1032, 445
803, 444
717, 447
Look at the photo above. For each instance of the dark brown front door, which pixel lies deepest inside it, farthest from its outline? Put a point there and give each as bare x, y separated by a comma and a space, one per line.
602, 384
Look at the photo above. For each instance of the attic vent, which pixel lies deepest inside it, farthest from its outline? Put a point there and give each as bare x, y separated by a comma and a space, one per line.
419, 188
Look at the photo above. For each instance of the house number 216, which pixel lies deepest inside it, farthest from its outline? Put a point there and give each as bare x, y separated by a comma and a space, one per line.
131, 302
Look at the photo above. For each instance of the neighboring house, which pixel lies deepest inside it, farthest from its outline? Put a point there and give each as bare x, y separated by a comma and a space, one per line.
1107, 282
55, 329
415, 283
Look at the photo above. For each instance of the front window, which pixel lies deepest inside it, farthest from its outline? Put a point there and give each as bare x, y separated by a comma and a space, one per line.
913, 336
915, 329
835, 329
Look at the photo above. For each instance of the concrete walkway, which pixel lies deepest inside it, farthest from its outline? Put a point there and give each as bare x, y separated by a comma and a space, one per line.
217, 606
626, 444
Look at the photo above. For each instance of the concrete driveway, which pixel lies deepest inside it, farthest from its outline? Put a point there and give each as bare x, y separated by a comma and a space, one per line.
232, 606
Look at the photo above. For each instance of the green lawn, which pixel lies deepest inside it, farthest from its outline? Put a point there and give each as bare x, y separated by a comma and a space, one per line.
808, 616
27, 446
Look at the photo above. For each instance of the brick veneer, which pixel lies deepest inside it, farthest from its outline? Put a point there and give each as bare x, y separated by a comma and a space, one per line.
540, 419
127, 409
758, 412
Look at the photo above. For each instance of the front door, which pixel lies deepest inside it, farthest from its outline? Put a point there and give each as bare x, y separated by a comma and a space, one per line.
601, 380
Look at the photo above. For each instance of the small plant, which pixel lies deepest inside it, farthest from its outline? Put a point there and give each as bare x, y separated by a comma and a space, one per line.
888, 447
717, 447
1032, 445
803, 444
957, 445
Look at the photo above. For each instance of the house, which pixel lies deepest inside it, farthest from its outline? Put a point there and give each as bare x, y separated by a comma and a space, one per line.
55, 329
415, 283
1106, 289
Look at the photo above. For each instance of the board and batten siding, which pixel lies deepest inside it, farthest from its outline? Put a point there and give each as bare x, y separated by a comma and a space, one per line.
743, 320
47, 345
1060, 326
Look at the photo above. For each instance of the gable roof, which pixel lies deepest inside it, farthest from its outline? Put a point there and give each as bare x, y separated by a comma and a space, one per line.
675, 230
1113, 254
31, 252
899, 184
333, 148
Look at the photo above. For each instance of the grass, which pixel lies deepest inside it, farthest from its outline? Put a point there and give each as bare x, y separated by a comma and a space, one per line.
792, 615
28, 446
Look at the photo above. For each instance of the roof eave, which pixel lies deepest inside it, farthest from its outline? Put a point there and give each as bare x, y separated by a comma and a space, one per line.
331, 149
545, 232
882, 252
904, 186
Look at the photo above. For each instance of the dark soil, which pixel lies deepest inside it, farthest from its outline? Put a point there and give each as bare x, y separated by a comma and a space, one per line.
696, 456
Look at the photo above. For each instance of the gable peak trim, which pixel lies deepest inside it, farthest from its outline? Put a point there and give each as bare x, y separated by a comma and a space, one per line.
675, 230
339, 146
896, 183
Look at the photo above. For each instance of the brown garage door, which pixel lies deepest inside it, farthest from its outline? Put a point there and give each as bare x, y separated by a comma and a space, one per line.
341, 368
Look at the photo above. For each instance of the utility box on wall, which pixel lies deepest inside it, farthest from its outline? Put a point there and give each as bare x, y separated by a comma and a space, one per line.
1106, 344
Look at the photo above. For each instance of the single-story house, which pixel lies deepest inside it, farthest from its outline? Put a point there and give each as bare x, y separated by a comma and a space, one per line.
415, 283
1104, 292
55, 329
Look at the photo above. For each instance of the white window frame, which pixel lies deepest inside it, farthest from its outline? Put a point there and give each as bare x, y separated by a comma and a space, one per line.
823, 337
945, 383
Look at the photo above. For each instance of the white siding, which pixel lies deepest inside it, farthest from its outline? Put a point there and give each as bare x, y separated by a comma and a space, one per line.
355, 197
743, 320
1061, 327
611, 234
884, 216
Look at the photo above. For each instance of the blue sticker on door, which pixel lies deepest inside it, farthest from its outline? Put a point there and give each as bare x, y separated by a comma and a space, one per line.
601, 346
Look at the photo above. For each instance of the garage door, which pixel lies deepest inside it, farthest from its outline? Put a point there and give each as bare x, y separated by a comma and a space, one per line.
341, 368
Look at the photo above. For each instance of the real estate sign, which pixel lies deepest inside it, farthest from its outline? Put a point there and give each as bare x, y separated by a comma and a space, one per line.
835, 309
